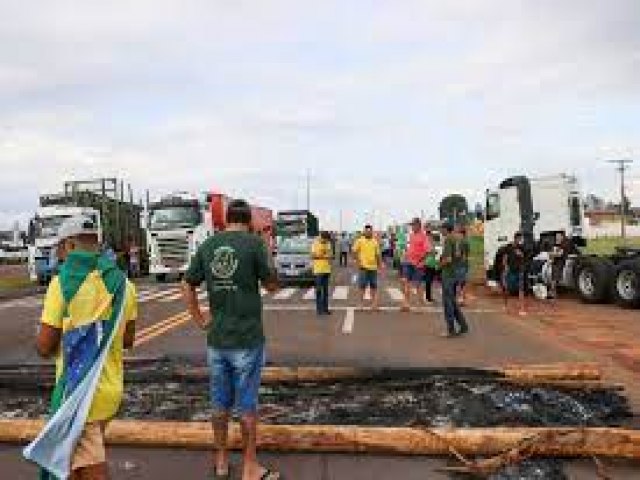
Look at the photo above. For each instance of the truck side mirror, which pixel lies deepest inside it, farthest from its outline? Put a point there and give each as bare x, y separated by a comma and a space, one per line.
536, 216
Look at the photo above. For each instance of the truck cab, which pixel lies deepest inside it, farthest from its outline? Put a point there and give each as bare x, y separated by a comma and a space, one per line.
43, 233
538, 208
176, 226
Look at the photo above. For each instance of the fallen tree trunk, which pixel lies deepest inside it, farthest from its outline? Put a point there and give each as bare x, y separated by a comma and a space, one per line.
554, 442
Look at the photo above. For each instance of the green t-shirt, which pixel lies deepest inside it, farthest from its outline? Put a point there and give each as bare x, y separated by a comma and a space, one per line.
232, 264
452, 250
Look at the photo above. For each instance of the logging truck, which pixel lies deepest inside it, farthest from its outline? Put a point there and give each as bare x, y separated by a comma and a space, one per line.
116, 216
539, 208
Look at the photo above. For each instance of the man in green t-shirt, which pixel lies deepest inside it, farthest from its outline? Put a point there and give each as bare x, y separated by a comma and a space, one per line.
233, 264
450, 262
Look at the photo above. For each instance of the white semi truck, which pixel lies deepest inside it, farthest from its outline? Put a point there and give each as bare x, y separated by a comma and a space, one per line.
539, 208
103, 200
44, 237
177, 224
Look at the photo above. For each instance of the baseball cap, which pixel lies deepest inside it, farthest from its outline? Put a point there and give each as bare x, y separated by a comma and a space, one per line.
75, 226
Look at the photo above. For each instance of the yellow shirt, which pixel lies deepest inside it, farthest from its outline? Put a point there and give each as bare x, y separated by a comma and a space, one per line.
93, 301
367, 251
321, 248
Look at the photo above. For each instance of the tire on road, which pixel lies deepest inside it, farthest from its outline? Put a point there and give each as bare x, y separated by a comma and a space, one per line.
594, 279
626, 284
161, 277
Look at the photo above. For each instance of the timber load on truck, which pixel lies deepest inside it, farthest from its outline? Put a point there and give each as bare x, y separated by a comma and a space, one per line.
105, 201
541, 208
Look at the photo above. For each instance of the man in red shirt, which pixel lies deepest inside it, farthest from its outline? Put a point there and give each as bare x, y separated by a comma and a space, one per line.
418, 247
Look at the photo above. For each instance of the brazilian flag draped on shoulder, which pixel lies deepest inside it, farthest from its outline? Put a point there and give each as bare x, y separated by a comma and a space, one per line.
84, 351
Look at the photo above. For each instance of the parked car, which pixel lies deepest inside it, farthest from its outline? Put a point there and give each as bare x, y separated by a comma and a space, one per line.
293, 261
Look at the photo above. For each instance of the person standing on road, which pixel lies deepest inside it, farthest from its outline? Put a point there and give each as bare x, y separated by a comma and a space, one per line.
369, 259
463, 268
88, 319
233, 264
431, 268
344, 248
514, 268
321, 256
417, 249
450, 263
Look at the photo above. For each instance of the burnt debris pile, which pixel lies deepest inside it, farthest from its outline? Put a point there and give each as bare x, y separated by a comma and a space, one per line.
166, 390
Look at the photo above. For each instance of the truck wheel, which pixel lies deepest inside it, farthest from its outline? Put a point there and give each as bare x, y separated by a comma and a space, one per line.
626, 287
594, 279
161, 277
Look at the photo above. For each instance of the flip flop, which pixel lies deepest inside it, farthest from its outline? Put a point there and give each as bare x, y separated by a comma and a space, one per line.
271, 475
220, 476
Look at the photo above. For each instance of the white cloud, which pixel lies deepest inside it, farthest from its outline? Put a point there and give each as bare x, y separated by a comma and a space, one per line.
391, 105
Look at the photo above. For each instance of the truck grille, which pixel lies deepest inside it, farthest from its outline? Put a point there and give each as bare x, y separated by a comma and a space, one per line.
173, 251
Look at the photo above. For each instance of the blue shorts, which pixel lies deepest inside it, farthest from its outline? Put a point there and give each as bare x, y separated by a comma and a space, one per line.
412, 274
368, 278
234, 377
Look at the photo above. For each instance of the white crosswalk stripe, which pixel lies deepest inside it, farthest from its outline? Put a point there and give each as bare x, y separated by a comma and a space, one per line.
158, 295
310, 294
284, 294
171, 297
340, 293
396, 294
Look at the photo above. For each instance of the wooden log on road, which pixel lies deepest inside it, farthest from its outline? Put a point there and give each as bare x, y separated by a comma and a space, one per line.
547, 442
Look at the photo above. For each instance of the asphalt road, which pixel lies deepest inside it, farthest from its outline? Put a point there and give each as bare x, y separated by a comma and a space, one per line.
297, 336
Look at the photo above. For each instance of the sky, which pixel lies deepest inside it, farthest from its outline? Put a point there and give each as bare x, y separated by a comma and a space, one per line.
390, 105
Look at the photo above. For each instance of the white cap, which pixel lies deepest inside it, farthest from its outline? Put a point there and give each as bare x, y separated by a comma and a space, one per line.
75, 226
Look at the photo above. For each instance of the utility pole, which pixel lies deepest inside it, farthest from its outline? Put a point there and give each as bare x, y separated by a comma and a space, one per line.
622, 165
308, 189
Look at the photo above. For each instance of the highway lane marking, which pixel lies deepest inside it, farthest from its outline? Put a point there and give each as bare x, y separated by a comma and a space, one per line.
159, 294
284, 294
23, 302
310, 294
349, 318
157, 325
340, 293
161, 327
171, 298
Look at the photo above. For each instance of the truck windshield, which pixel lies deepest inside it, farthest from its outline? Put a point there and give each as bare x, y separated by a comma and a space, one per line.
47, 227
575, 213
290, 227
493, 206
294, 246
167, 218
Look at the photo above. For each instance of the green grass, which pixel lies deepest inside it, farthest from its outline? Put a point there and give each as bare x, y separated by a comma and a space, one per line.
476, 257
14, 283
607, 245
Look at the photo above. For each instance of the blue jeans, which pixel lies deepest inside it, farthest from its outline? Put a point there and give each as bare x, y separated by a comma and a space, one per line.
234, 376
452, 312
322, 293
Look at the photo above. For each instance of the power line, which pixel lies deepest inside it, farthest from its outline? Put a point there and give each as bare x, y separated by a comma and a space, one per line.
622, 165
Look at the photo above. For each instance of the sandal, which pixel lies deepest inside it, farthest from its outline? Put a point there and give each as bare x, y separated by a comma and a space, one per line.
271, 475
221, 476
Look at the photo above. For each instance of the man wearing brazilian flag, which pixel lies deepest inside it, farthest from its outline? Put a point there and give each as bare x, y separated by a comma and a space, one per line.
87, 322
